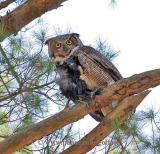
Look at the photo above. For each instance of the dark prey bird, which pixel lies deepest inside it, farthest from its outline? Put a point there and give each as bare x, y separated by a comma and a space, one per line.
83, 71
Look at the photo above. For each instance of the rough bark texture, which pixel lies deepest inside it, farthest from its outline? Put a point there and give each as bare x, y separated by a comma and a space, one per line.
5, 3
25, 13
120, 90
45, 127
105, 127
128, 86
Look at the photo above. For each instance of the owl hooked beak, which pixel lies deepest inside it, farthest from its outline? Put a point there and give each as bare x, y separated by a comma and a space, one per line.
61, 47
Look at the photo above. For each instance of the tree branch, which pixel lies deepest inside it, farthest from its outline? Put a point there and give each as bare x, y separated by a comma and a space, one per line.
5, 3
128, 86
23, 90
45, 127
10, 66
105, 127
25, 13
117, 91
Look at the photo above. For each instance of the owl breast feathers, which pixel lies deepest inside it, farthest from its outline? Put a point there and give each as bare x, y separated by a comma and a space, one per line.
82, 71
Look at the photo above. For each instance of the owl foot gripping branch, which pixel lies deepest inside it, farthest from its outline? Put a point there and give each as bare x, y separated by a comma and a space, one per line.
83, 70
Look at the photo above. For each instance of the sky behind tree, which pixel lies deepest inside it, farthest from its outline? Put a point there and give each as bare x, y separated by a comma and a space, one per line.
131, 27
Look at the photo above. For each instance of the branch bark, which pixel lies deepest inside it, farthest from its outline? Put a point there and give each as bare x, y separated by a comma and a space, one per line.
118, 91
128, 86
45, 127
23, 90
121, 112
25, 13
5, 3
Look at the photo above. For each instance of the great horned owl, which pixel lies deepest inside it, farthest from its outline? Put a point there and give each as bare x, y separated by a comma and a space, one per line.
82, 69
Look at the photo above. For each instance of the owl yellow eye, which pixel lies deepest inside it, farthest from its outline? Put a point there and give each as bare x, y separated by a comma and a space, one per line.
58, 45
69, 42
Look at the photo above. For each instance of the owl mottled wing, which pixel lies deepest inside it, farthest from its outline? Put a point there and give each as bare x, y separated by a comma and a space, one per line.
82, 69
97, 70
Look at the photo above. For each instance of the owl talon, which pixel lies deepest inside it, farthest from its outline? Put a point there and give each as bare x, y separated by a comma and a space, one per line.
98, 91
81, 69
85, 103
88, 95
67, 104
95, 92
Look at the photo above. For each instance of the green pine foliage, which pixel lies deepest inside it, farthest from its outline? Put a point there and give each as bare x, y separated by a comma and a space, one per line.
140, 134
28, 88
3, 32
106, 50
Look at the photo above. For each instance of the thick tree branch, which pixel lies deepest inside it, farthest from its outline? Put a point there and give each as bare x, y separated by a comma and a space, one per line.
24, 14
45, 127
117, 91
121, 112
5, 3
128, 86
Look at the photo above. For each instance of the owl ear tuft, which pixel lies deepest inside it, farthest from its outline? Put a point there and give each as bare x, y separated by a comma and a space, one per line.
47, 41
75, 35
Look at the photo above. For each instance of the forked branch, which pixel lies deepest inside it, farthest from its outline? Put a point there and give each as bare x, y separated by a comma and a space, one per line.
118, 91
122, 111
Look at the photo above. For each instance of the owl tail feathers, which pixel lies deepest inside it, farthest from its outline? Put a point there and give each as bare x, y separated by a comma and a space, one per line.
97, 115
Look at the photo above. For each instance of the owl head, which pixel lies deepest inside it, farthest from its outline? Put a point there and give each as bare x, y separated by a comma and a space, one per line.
61, 47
